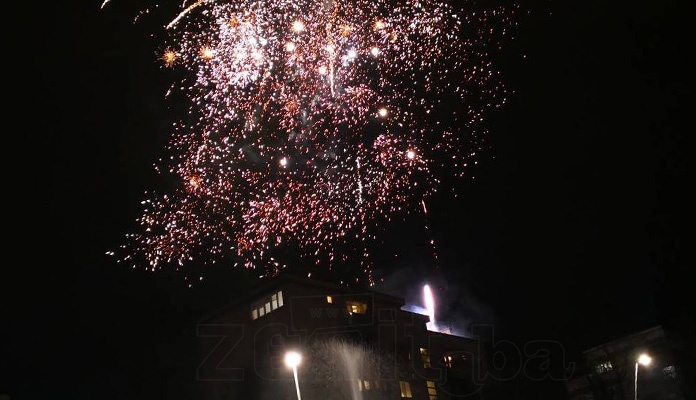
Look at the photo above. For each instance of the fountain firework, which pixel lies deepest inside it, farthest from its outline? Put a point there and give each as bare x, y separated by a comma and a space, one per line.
429, 301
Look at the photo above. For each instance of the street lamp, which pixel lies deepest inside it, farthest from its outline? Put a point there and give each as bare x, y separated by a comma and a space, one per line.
292, 360
643, 359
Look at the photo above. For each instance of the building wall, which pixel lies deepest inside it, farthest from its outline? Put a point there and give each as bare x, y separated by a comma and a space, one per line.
609, 370
351, 341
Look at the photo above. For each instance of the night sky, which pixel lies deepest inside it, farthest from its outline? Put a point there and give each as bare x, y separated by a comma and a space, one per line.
571, 228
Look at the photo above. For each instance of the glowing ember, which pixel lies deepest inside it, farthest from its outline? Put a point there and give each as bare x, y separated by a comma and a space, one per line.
169, 57
298, 26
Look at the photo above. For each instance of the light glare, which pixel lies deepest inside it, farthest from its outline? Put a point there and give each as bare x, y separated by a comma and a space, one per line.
644, 359
292, 359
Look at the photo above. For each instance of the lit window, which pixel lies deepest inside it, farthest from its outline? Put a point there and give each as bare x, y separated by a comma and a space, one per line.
356, 307
405, 388
603, 367
360, 385
669, 371
425, 357
366, 384
266, 305
448, 361
432, 391
329, 299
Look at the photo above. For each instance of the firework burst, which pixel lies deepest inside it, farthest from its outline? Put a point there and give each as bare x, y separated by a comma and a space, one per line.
313, 122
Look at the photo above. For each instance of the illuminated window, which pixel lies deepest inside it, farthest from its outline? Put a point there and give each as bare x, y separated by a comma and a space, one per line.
366, 384
603, 367
266, 305
425, 357
432, 391
356, 307
448, 361
329, 299
360, 386
405, 388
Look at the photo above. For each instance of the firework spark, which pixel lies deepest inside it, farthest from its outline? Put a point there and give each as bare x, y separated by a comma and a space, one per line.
313, 123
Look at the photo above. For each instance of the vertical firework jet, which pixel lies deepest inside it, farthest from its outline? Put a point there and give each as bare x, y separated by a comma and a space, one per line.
313, 122
429, 301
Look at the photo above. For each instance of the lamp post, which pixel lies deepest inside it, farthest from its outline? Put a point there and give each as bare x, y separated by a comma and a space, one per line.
643, 359
292, 360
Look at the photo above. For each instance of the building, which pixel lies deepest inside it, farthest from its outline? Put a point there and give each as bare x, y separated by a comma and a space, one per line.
643, 366
354, 344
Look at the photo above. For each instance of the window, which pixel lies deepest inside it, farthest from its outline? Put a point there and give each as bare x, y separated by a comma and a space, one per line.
603, 367
362, 384
448, 361
425, 357
669, 371
356, 307
432, 391
266, 305
329, 299
405, 388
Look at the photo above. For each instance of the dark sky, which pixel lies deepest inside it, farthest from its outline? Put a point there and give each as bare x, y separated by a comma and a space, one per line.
572, 230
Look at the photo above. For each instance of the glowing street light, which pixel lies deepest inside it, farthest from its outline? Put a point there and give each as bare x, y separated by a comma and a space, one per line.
644, 360
292, 360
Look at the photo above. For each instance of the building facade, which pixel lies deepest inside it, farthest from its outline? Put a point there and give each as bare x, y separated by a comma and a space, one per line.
641, 366
354, 344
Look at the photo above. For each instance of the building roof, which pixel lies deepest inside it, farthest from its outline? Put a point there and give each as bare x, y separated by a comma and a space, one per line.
634, 338
268, 286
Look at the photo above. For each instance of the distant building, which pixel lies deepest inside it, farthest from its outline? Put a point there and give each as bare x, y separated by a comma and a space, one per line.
613, 371
354, 343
